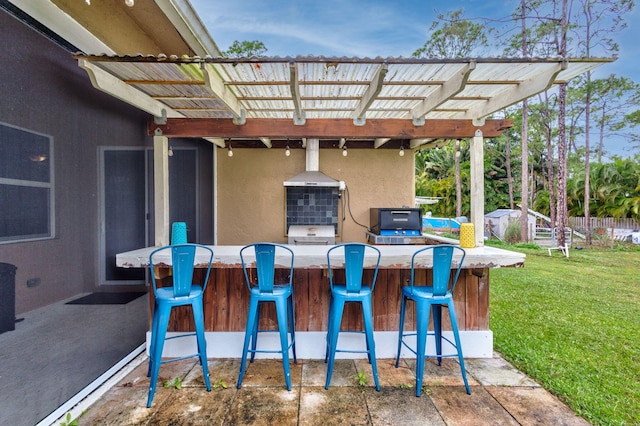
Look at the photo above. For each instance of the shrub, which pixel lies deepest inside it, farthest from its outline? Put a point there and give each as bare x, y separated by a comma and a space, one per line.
512, 232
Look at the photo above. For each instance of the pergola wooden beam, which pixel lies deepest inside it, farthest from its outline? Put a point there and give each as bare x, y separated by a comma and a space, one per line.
379, 142
450, 88
324, 128
370, 95
524, 90
107, 83
417, 143
219, 142
298, 112
266, 142
215, 85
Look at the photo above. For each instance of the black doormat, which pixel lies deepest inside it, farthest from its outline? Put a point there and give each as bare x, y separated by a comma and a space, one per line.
107, 298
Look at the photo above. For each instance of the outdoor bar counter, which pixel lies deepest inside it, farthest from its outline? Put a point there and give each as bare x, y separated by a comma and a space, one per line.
226, 300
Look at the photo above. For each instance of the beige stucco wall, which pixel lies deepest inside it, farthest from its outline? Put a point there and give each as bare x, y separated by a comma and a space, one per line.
142, 29
251, 196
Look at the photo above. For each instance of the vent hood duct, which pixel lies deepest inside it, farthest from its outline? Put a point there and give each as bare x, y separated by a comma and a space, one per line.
312, 176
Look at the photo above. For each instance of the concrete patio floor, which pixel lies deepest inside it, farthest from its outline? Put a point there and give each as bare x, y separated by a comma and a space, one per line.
500, 395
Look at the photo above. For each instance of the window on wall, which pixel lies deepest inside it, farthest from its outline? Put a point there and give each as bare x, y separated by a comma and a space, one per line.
26, 185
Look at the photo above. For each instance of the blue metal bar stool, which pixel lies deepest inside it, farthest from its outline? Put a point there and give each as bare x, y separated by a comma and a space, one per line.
432, 298
183, 291
351, 256
267, 290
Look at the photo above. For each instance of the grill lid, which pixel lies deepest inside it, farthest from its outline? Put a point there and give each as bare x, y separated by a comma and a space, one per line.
311, 234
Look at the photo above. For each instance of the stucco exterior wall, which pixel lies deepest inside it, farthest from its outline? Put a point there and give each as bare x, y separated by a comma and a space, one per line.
130, 30
251, 196
43, 90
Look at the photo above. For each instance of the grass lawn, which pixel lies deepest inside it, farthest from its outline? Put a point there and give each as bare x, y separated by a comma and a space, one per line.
573, 325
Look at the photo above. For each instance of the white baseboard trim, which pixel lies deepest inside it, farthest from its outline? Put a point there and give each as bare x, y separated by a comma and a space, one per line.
311, 344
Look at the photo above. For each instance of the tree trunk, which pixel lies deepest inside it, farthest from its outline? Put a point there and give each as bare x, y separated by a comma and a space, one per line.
507, 153
458, 180
601, 135
587, 161
562, 167
524, 197
550, 179
562, 135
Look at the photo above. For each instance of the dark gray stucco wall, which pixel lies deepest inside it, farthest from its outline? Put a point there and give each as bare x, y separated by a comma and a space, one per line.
42, 89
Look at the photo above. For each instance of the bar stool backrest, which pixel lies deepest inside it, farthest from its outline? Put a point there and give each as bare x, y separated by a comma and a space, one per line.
354, 263
183, 264
265, 256
442, 266
182, 259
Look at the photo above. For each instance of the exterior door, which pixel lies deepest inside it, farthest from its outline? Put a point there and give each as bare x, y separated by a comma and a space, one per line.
126, 210
123, 210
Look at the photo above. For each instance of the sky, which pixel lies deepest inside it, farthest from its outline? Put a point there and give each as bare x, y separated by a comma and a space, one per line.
375, 28
372, 28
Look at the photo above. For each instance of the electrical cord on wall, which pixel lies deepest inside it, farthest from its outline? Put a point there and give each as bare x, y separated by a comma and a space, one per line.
347, 201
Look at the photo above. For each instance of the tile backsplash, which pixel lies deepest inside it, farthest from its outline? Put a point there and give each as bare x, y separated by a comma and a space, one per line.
312, 206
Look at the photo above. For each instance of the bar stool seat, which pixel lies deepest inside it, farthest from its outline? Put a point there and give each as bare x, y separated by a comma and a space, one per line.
264, 289
354, 290
431, 299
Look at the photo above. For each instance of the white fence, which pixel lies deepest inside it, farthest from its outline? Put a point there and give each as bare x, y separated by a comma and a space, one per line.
604, 222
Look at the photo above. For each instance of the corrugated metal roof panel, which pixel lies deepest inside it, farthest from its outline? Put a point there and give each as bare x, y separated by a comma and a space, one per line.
335, 87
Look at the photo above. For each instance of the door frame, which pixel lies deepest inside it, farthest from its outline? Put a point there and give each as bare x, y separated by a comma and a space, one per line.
149, 205
102, 239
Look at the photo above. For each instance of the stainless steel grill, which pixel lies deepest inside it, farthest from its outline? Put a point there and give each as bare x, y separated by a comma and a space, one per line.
311, 234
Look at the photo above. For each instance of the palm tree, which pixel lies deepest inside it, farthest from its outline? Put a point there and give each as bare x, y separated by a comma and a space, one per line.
436, 176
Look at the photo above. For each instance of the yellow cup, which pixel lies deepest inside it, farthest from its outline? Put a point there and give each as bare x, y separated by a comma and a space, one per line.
467, 235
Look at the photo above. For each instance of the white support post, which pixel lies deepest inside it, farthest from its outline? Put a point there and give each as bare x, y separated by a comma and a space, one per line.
161, 189
313, 154
477, 186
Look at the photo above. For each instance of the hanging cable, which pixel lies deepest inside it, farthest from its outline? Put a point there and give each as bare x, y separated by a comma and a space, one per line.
348, 202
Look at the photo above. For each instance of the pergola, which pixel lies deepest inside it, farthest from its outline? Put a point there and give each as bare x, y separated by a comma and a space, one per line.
373, 103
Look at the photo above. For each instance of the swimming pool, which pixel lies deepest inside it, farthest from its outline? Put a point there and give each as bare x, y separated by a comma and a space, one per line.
441, 224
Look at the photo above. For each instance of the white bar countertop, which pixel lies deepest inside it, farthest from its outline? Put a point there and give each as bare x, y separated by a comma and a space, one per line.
315, 256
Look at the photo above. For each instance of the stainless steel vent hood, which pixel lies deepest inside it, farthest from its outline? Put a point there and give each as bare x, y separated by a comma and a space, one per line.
312, 176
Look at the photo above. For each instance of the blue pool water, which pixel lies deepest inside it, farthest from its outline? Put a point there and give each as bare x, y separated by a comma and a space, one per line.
439, 224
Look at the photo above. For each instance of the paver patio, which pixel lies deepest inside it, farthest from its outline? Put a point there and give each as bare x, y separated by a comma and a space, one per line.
501, 395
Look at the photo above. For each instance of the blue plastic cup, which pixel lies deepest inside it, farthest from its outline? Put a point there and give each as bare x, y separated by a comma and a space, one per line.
179, 233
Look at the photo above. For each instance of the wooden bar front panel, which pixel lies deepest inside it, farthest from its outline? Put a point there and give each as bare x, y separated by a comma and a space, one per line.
227, 299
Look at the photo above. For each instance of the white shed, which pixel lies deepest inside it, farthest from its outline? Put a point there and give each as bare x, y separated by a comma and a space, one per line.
497, 221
